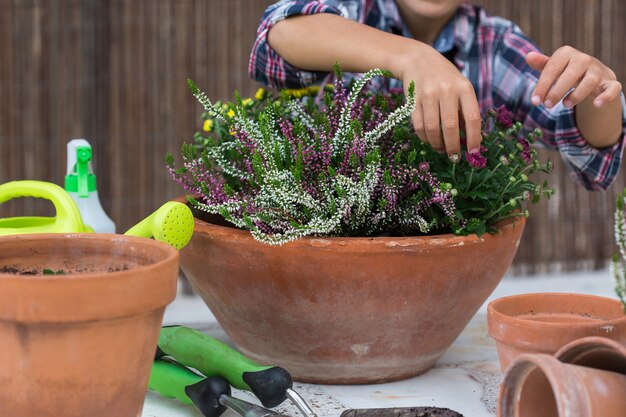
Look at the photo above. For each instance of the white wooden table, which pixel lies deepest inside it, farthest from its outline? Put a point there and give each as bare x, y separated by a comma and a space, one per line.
465, 379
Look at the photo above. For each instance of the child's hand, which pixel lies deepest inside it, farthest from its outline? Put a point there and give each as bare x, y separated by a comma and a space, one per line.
445, 101
569, 68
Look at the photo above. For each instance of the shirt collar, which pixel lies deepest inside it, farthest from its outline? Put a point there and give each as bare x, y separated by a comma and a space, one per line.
455, 38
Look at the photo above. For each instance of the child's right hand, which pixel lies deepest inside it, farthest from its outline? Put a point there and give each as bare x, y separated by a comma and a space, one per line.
445, 101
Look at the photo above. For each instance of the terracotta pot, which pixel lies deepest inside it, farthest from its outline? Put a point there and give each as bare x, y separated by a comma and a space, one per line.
545, 322
80, 344
595, 352
346, 310
539, 385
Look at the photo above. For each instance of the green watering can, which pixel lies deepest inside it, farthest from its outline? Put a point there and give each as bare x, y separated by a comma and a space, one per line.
172, 223
67, 220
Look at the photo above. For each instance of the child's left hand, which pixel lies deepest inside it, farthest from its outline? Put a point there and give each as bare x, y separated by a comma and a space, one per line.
569, 68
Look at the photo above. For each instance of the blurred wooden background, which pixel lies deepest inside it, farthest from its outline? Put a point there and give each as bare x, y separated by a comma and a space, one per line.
113, 72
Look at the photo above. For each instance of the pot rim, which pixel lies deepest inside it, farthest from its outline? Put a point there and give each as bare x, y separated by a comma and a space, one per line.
498, 318
168, 250
81, 297
572, 352
385, 243
514, 380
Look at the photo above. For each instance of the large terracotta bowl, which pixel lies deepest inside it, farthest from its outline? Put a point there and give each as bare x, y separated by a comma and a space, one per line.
80, 343
346, 310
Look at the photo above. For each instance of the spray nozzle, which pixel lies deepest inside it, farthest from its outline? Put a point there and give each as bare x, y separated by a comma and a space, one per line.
83, 157
79, 179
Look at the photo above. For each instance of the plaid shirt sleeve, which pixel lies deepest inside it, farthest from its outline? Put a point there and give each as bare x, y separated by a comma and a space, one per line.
269, 68
514, 82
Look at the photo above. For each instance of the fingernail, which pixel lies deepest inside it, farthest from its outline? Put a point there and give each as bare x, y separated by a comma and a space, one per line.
598, 103
536, 100
549, 103
473, 151
567, 103
454, 157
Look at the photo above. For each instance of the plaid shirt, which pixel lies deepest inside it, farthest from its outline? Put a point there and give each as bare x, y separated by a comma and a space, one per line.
489, 51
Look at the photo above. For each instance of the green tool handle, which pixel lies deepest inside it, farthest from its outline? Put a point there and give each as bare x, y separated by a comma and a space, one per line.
173, 380
214, 358
169, 379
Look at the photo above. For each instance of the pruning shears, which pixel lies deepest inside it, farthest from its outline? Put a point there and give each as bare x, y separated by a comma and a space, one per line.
270, 384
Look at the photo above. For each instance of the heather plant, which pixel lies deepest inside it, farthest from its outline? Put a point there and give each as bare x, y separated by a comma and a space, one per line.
618, 264
349, 164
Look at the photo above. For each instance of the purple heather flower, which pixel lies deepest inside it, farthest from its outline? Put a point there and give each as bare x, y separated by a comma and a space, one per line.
525, 148
424, 166
476, 160
504, 117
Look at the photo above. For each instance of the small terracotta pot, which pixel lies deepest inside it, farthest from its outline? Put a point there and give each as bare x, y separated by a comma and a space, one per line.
595, 352
346, 310
80, 344
545, 322
539, 385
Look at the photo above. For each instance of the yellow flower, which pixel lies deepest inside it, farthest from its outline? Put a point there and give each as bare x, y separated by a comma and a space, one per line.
246, 102
208, 125
260, 94
302, 92
231, 113
224, 106
313, 89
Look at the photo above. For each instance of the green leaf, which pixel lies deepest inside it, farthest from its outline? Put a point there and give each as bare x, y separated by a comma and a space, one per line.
47, 271
192, 86
412, 156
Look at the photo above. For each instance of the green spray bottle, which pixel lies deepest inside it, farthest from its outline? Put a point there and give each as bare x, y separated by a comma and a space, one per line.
80, 183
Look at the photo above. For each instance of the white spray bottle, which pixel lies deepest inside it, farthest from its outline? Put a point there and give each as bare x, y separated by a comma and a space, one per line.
80, 183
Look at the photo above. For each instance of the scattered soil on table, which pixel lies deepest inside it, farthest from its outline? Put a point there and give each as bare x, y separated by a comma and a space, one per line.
402, 412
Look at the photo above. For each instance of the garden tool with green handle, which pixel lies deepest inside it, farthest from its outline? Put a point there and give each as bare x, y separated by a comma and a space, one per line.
67, 219
172, 223
210, 395
271, 384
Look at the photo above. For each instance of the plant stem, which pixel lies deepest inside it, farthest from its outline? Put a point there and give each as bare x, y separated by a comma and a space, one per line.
454, 174
487, 176
469, 182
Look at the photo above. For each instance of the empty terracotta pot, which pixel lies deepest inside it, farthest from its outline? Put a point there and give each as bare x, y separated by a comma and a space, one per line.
595, 352
81, 343
346, 310
539, 385
545, 322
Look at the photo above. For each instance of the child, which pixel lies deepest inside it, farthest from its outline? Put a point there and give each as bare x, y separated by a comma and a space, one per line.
462, 61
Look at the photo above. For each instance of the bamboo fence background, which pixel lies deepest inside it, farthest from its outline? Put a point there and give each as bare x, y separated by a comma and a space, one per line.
113, 72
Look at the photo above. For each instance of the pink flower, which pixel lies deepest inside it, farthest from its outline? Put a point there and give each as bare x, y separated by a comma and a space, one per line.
524, 146
476, 160
504, 117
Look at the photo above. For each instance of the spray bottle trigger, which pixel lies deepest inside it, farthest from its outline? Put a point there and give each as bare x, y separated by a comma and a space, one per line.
83, 157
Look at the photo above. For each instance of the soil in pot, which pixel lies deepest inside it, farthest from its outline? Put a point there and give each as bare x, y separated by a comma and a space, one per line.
80, 343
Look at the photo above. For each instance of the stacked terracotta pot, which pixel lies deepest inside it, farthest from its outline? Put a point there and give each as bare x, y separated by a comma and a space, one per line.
556, 363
